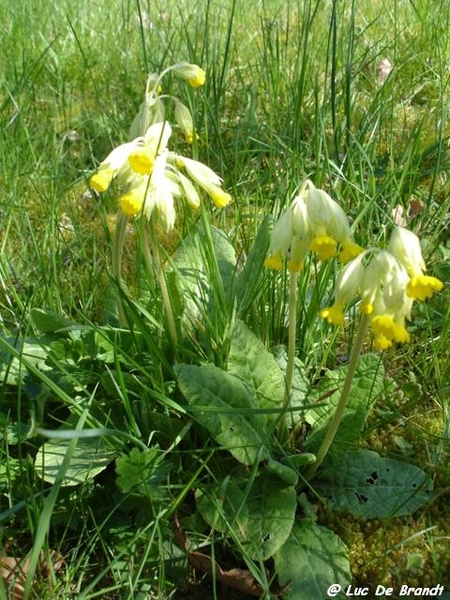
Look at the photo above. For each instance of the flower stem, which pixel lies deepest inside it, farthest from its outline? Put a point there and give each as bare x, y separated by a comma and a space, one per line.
292, 316
116, 259
340, 408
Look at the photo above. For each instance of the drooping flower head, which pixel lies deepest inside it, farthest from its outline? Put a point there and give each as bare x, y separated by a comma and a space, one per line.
405, 246
313, 222
382, 281
150, 177
194, 75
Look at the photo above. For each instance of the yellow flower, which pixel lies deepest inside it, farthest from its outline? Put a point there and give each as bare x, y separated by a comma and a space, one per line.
184, 119
115, 162
205, 177
290, 237
324, 246
329, 224
294, 266
153, 143
387, 282
405, 246
349, 251
100, 181
334, 314
131, 203
380, 281
386, 327
219, 197
381, 343
194, 75
422, 287
141, 162
366, 307
275, 261
315, 222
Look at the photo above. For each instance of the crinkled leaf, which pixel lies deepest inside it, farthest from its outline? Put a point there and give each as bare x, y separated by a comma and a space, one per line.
227, 408
192, 270
141, 471
260, 513
367, 386
90, 457
225, 256
370, 486
312, 559
253, 363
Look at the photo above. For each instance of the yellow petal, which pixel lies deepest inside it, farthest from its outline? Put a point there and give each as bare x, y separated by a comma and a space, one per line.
220, 198
381, 342
324, 246
294, 266
141, 162
334, 315
131, 204
100, 181
274, 262
422, 287
349, 252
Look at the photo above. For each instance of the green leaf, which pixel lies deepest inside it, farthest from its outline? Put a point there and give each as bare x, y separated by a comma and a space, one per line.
225, 256
370, 486
284, 471
228, 408
13, 370
193, 270
47, 321
253, 363
367, 386
111, 308
312, 559
248, 282
90, 457
141, 471
260, 513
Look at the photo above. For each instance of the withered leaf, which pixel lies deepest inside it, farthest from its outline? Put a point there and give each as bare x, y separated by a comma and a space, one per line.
238, 579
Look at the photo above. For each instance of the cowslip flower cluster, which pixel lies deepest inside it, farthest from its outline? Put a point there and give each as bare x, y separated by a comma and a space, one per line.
313, 222
387, 282
151, 176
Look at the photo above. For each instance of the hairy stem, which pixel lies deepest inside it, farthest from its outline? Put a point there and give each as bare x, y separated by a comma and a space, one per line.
340, 408
291, 352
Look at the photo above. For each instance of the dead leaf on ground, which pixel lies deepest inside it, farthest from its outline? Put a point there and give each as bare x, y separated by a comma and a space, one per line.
14, 571
238, 579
